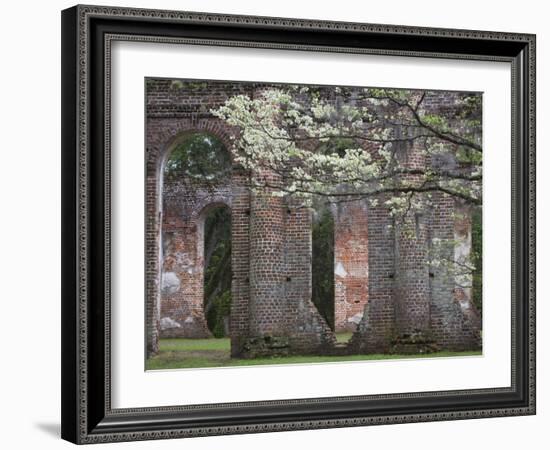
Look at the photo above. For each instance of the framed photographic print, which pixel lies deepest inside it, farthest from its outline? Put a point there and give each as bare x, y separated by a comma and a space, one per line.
281, 224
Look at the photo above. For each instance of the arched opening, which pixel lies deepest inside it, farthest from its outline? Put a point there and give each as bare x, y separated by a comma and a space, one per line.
322, 263
217, 270
195, 237
340, 255
199, 160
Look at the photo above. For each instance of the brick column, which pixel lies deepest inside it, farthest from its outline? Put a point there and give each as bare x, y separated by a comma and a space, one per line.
377, 325
267, 278
412, 290
412, 282
240, 263
307, 330
454, 318
152, 255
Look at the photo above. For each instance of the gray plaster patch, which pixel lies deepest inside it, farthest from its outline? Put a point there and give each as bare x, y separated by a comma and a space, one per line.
356, 318
465, 304
167, 323
340, 271
170, 283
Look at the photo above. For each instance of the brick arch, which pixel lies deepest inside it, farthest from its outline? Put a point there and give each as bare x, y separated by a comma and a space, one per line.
216, 201
199, 217
168, 136
184, 128
178, 237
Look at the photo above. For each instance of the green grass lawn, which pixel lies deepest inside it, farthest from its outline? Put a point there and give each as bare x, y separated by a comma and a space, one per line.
194, 353
343, 337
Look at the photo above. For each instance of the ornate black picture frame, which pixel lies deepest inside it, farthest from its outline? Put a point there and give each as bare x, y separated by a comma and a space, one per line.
87, 34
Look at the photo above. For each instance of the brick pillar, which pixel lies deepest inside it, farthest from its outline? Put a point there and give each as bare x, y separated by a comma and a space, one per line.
267, 278
307, 330
412, 290
297, 265
455, 320
240, 263
412, 282
152, 256
377, 324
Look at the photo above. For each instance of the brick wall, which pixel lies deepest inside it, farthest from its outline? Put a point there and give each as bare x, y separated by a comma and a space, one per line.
384, 289
351, 265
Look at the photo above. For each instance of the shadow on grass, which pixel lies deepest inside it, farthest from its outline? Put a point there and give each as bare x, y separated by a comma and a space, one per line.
197, 353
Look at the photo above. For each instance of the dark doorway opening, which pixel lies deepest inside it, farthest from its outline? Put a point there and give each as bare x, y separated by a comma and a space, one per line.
217, 270
322, 264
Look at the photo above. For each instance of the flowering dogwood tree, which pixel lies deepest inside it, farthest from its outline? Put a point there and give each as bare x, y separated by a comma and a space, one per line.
348, 145
330, 145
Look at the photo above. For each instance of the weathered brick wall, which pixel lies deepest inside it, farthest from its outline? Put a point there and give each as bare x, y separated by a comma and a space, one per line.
182, 277
414, 305
351, 265
268, 311
455, 322
240, 264
384, 289
308, 331
262, 231
169, 210
377, 327
412, 290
